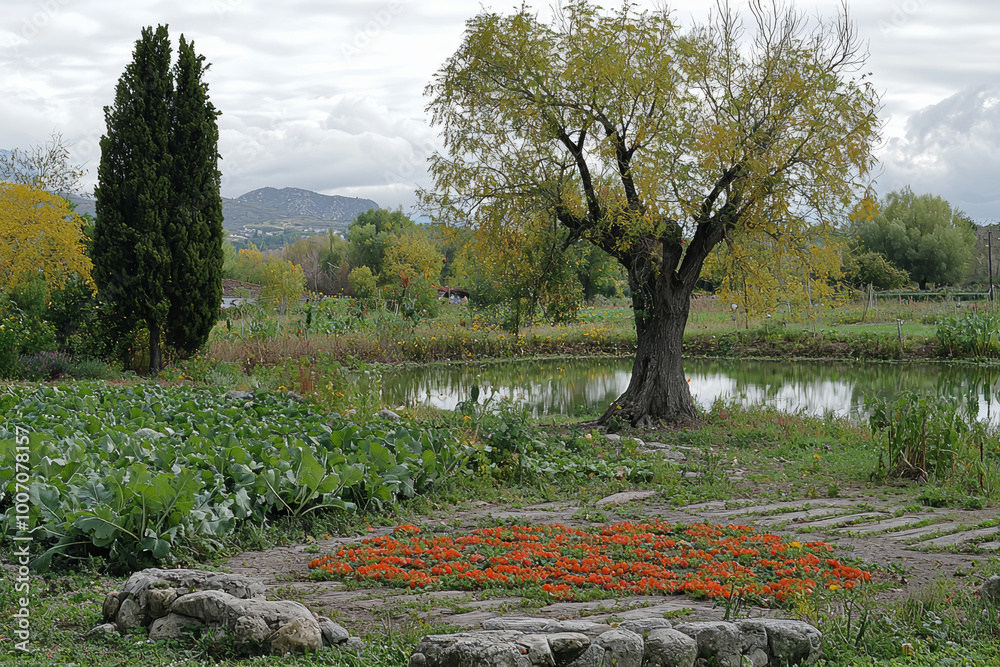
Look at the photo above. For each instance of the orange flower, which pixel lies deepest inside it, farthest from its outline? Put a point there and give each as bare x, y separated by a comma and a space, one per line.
631, 558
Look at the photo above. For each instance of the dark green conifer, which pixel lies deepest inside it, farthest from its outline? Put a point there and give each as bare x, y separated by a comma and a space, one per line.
157, 248
194, 228
130, 255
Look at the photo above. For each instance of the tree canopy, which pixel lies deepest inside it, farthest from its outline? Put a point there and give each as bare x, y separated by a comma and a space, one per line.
921, 234
157, 247
370, 234
43, 167
193, 232
39, 233
655, 144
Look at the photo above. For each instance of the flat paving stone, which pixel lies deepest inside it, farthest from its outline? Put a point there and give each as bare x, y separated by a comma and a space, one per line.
771, 507
917, 533
794, 516
989, 546
845, 518
960, 537
710, 505
625, 497
888, 524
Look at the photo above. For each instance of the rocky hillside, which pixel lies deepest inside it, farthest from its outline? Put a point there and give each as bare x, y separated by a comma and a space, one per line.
304, 203
270, 209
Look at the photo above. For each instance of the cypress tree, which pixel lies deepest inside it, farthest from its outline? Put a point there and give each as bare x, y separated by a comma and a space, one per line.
194, 229
130, 255
157, 249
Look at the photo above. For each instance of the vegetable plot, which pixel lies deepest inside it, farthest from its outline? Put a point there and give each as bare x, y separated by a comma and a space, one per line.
143, 473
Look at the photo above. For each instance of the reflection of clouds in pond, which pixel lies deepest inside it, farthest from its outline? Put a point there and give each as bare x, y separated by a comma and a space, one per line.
817, 398
572, 387
598, 389
442, 400
814, 398
705, 389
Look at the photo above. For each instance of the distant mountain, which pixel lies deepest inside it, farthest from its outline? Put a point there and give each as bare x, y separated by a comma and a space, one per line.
268, 210
307, 204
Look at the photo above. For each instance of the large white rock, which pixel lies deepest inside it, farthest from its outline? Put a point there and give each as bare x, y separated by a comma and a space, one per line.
618, 647
755, 643
644, 626
130, 615
794, 642
172, 626
333, 633
297, 636
538, 651
493, 648
717, 639
666, 647
567, 646
220, 608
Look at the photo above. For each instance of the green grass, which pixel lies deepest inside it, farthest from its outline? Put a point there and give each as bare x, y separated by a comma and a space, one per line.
788, 457
458, 333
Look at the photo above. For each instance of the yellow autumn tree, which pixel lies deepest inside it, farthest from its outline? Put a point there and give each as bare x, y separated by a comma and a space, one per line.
760, 276
248, 265
656, 143
39, 233
413, 255
519, 268
282, 283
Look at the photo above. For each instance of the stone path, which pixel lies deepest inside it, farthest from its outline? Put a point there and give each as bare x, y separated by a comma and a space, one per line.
922, 544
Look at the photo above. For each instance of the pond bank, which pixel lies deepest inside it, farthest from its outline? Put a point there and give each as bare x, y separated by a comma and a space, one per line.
754, 343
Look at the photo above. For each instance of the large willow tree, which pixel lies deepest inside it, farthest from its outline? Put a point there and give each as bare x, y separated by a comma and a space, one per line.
656, 144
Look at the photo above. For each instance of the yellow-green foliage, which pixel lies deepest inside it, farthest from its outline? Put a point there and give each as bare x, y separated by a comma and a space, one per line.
363, 283
39, 232
408, 256
281, 282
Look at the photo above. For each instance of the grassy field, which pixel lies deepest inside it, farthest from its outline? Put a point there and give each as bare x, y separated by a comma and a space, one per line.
793, 457
501, 457
341, 330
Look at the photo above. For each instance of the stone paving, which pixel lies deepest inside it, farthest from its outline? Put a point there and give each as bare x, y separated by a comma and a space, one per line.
926, 530
923, 544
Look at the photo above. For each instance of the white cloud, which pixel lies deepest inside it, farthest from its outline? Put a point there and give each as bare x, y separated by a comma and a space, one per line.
329, 95
951, 149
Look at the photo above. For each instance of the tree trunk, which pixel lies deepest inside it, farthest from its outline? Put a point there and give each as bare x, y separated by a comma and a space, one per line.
154, 349
658, 389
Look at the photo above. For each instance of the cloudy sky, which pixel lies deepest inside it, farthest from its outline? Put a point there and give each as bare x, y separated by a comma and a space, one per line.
327, 95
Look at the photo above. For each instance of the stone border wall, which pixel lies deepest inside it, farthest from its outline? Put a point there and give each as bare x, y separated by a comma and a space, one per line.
539, 642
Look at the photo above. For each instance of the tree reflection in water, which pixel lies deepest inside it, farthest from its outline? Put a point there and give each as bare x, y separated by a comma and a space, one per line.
580, 386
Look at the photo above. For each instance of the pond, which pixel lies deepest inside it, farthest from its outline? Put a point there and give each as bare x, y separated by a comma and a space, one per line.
579, 386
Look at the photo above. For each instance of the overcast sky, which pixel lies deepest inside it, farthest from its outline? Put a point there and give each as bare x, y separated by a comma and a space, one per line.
327, 95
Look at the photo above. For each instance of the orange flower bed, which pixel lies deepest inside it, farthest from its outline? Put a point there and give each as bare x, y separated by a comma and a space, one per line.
638, 559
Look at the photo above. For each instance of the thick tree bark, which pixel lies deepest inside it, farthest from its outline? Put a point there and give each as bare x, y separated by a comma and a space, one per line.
658, 389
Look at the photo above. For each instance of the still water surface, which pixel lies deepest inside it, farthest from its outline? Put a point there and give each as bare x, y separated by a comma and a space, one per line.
579, 386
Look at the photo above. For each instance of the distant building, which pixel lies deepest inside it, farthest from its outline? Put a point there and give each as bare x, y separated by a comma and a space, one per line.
237, 292
453, 294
